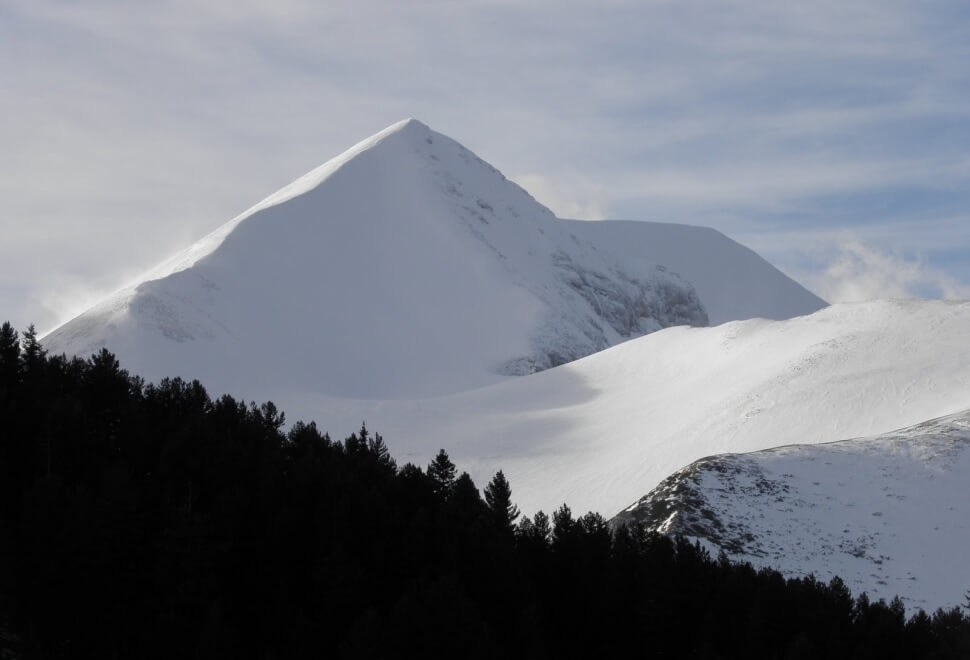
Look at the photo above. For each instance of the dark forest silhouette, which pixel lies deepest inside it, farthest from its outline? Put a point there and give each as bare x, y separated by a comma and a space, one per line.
149, 520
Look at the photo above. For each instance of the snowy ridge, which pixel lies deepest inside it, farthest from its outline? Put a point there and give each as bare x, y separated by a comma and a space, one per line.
427, 271
888, 514
600, 432
725, 273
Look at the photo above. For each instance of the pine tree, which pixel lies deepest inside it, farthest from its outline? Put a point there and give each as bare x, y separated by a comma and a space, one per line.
563, 525
411, 472
442, 473
543, 529
108, 387
9, 357
357, 442
9, 344
269, 416
535, 532
33, 352
465, 498
498, 496
378, 448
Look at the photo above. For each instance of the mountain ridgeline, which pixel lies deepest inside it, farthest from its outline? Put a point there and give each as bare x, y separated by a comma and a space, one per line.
410, 240
151, 520
886, 514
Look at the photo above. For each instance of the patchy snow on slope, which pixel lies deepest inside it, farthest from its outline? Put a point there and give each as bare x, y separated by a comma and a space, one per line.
888, 514
405, 267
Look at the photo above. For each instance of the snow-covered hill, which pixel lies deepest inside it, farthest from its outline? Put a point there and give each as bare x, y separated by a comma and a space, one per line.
406, 266
600, 432
888, 514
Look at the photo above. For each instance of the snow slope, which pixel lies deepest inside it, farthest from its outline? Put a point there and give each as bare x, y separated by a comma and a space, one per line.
406, 266
724, 273
403, 282
888, 514
600, 432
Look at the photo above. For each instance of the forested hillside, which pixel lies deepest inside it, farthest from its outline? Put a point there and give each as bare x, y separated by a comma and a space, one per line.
151, 520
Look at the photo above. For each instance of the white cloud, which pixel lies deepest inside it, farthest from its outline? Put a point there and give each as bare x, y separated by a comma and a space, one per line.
858, 272
582, 201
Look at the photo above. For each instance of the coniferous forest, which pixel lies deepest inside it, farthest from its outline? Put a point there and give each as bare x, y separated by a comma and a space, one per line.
154, 520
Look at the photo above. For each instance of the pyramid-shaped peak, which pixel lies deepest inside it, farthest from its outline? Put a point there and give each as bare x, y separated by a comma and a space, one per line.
409, 124
406, 131
406, 239
410, 129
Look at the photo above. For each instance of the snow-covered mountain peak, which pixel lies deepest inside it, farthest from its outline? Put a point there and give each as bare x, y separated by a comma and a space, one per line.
397, 136
407, 124
399, 147
405, 266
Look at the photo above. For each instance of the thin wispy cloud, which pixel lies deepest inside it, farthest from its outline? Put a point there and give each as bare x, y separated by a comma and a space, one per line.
857, 272
581, 200
130, 130
877, 261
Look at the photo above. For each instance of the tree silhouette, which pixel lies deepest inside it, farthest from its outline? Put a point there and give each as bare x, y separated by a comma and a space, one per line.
9, 358
442, 473
378, 448
33, 352
498, 496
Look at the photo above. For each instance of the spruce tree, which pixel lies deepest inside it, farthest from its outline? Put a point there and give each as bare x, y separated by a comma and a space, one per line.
357, 442
378, 448
465, 498
9, 344
542, 527
442, 473
563, 525
9, 357
498, 496
33, 352
535, 532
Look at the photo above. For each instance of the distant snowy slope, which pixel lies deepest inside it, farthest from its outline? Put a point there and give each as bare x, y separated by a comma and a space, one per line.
889, 514
601, 431
732, 281
405, 267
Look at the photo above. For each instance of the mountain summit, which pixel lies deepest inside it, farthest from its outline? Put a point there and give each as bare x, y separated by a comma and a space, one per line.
406, 266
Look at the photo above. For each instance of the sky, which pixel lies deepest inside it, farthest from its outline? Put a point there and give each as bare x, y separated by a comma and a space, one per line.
833, 138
